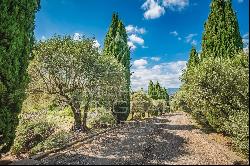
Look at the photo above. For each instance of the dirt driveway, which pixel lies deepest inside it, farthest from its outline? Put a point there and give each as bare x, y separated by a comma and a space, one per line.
169, 139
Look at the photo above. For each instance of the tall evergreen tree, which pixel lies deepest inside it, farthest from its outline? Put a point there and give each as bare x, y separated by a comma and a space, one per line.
233, 38
193, 58
150, 88
16, 40
165, 95
116, 45
110, 36
221, 37
158, 91
155, 91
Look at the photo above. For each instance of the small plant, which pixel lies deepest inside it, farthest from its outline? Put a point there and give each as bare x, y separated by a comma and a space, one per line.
56, 140
29, 134
100, 117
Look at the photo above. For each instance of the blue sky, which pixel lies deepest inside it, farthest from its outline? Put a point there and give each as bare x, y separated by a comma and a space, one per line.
161, 32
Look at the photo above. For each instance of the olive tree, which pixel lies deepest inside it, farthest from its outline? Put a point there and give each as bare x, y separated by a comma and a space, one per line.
76, 73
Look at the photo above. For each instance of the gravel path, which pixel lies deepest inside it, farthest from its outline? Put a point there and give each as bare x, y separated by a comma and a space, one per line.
170, 139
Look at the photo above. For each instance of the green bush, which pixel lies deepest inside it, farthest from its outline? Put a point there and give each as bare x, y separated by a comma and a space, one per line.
100, 117
56, 140
159, 107
140, 104
216, 93
31, 133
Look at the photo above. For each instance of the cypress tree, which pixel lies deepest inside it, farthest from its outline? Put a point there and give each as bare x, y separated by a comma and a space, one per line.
155, 91
158, 91
221, 37
116, 45
193, 58
110, 36
150, 88
166, 96
233, 38
16, 40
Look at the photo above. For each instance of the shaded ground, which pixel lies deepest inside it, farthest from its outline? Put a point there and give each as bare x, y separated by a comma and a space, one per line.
170, 139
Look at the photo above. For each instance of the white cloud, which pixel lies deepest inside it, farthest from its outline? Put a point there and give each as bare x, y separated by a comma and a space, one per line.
153, 9
140, 63
155, 58
131, 45
175, 4
245, 40
134, 29
77, 36
189, 38
167, 74
174, 33
135, 39
179, 38
96, 44
156, 8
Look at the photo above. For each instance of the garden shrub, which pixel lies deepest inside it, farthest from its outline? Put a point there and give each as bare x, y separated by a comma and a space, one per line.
31, 133
56, 140
216, 93
100, 117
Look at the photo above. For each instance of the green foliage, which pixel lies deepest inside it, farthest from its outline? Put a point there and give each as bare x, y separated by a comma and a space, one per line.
159, 107
74, 72
140, 102
115, 45
217, 94
56, 140
39, 124
216, 90
221, 36
156, 92
193, 58
100, 117
29, 134
16, 40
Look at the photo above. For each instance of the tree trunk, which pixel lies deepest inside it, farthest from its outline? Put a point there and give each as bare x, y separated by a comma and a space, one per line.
85, 115
77, 117
84, 120
132, 114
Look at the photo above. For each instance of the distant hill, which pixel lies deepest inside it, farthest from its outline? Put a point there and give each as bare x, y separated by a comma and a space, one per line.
171, 91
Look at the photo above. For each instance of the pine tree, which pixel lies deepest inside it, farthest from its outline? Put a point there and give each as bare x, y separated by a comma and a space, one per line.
116, 45
16, 40
221, 37
193, 58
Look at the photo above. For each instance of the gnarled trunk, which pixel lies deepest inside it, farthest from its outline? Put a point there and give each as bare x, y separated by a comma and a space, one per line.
85, 115
77, 116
